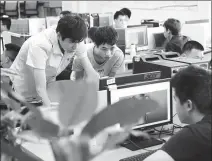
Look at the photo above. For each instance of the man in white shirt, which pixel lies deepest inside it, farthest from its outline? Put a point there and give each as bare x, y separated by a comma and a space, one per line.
104, 55
5, 27
45, 55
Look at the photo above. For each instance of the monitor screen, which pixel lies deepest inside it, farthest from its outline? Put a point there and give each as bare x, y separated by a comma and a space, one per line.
159, 40
158, 90
151, 32
105, 19
137, 36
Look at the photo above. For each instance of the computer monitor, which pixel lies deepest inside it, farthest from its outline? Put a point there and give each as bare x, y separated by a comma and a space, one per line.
137, 36
159, 40
157, 90
105, 19
153, 37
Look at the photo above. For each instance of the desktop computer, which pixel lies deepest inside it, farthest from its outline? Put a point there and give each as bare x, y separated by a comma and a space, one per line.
133, 35
126, 78
151, 62
156, 90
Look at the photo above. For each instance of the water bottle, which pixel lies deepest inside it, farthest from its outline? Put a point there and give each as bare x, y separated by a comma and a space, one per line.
132, 50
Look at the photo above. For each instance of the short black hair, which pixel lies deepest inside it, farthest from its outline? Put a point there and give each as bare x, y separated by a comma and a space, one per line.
91, 32
15, 50
105, 35
72, 27
194, 83
126, 11
117, 14
189, 45
66, 13
6, 20
173, 25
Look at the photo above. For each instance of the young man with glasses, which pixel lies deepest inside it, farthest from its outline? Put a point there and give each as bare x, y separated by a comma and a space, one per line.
45, 55
107, 59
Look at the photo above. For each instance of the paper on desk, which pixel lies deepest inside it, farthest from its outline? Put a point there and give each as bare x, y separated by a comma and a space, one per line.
126, 112
78, 101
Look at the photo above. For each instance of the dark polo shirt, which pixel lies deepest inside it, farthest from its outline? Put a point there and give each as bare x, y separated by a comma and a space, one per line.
192, 143
176, 43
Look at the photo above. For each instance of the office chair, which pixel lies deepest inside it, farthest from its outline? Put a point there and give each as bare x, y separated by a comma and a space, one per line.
53, 8
1, 8
11, 8
30, 8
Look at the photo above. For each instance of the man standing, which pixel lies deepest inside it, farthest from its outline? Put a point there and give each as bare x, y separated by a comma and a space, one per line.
45, 55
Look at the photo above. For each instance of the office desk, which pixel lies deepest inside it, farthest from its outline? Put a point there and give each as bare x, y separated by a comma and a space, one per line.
44, 151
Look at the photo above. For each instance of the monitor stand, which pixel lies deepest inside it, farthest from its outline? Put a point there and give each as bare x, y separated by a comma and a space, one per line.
134, 143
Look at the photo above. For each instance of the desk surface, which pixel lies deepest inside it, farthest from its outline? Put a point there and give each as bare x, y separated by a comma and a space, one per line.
44, 152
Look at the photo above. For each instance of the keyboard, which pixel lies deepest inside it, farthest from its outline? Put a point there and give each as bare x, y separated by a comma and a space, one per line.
139, 157
136, 143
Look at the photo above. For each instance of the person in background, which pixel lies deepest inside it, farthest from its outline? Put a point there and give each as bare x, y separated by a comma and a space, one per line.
5, 23
44, 56
104, 55
65, 13
5, 28
120, 20
127, 13
192, 97
9, 55
175, 41
193, 49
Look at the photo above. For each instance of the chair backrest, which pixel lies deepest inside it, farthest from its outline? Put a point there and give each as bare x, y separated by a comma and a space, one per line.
31, 7
11, 5
11, 8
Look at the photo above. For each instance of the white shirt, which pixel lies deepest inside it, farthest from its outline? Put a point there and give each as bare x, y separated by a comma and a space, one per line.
41, 51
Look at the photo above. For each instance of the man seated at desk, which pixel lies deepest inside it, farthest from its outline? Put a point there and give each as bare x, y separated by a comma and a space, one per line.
127, 13
120, 20
193, 49
5, 27
192, 96
104, 55
8, 56
45, 55
174, 40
